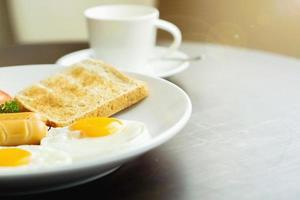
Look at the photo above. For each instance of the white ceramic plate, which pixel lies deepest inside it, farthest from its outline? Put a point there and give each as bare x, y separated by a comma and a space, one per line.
157, 66
165, 112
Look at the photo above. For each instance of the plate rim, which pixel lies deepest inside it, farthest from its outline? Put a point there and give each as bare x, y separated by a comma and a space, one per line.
136, 151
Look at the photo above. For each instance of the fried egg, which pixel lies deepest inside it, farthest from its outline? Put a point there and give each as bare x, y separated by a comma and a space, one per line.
95, 137
31, 157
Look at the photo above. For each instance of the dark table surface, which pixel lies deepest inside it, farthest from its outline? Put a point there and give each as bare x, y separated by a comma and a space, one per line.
36, 53
242, 141
152, 176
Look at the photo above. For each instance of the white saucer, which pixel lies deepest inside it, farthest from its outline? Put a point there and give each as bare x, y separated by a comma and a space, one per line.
160, 67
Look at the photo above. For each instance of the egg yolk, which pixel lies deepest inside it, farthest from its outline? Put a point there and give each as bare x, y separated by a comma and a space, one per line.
95, 126
12, 157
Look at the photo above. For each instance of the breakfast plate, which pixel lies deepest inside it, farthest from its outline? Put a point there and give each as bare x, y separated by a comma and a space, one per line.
165, 112
157, 66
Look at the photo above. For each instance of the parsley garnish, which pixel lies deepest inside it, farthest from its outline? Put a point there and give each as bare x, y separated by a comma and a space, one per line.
9, 107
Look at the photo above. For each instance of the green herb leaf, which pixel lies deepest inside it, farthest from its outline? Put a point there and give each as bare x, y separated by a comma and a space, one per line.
10, 107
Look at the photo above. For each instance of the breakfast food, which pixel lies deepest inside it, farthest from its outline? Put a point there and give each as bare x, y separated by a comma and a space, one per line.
10, 106
7, 104
86, 89
76, 103
21, 128
4, 97
95, 137
31, 157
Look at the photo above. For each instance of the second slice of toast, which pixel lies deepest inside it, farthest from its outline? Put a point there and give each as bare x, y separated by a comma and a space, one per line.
89, 88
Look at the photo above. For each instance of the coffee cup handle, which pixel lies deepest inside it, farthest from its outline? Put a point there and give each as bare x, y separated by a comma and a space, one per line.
173, 30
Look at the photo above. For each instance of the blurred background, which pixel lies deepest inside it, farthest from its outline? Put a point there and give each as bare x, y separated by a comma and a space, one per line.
270, 25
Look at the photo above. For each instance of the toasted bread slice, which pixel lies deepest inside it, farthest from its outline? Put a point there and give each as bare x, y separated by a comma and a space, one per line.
88, 88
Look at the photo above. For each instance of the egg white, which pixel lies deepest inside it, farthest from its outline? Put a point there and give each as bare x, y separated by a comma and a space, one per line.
41, 158
129, 134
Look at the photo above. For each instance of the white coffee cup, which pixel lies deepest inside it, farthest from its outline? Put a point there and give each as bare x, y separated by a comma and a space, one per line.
125, 35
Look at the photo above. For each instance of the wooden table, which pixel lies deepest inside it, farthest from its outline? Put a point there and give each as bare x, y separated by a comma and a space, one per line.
242, 142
